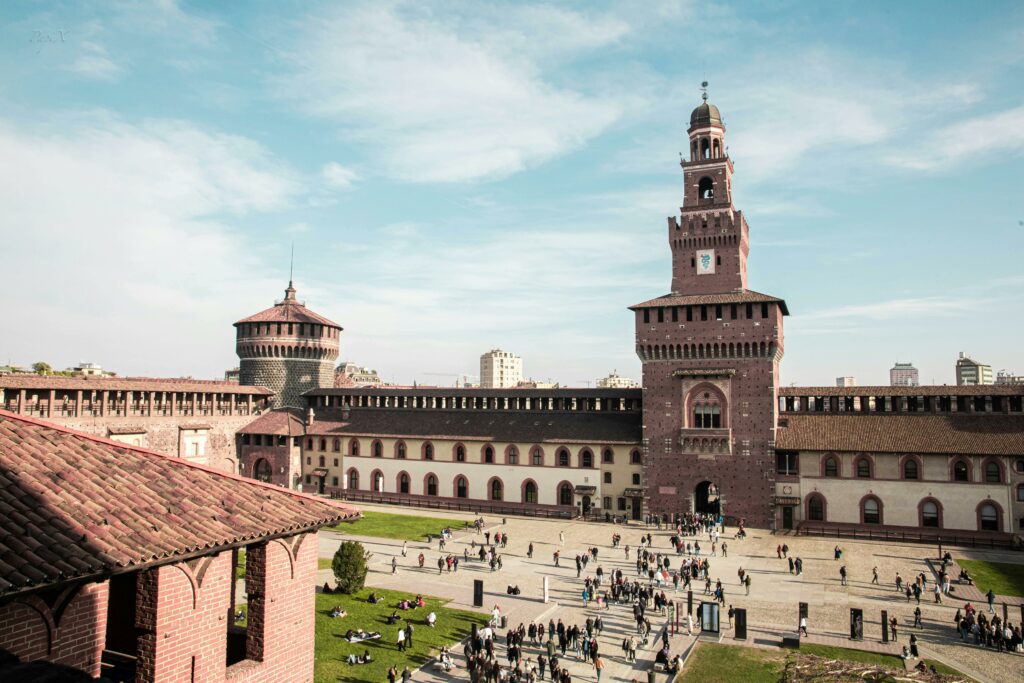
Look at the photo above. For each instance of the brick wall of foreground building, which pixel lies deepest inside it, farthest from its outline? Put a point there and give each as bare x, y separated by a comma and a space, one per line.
65, 626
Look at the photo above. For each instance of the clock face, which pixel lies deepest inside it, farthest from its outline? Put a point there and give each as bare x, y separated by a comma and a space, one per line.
706, 262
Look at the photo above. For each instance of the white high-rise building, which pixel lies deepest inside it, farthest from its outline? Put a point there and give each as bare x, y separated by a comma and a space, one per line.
500, 369
614, 381
971, 372
846, 381
903, 375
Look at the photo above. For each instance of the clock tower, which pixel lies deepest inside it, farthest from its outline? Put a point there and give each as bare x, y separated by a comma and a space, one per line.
710, 350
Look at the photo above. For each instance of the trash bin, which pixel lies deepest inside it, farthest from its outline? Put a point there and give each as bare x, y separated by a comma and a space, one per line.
650, 677
504, 621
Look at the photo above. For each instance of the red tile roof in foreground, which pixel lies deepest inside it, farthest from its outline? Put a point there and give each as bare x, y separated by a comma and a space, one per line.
201, 386
742, 297
75, 506
985, 434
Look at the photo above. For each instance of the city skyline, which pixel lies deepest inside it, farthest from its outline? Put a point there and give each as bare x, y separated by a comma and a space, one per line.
503, 180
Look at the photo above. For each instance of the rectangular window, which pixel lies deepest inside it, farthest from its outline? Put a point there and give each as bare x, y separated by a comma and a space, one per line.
718, 312
675, 314
732, 311
764, 310
689, 314
750, 311
334, 481
636, 479
607, 477
661, 315
703, 312
647, 315
786, 463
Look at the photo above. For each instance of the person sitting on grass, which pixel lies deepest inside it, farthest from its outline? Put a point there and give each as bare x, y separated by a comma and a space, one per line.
364, 658
431, 619
373, 599
393, 618
404, 605
420, 602
337, 612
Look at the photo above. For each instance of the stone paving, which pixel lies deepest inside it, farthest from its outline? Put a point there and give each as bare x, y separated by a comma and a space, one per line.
772, 606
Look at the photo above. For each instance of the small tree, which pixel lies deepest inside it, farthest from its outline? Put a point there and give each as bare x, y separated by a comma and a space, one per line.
42, 368
350, 566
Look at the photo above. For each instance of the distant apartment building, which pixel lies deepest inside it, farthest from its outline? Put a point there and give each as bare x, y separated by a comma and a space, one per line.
970, 372
846, 381
903, 375
500, 369
352, 375
615, 381
232, 375
1004, 377
536, 384
90, 370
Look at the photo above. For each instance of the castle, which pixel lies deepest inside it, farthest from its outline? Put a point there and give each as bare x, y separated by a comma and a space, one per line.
711, 430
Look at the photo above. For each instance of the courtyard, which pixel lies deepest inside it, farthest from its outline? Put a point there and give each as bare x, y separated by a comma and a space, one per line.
772, 605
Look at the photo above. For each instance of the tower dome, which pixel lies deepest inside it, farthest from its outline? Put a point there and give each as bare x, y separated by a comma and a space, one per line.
705, 115
288, 349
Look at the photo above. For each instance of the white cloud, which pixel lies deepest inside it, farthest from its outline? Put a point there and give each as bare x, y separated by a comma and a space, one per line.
337, 176
449, 101
128, 227
966, 141
94, 63
297, 228
166, 18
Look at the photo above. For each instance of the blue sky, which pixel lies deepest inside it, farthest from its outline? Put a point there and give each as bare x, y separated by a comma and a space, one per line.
461, 176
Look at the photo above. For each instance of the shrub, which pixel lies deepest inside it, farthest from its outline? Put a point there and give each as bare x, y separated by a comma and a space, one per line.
350, 566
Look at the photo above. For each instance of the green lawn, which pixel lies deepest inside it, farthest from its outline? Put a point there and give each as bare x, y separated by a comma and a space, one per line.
1002, 577
324, 562
401, 527
332, 648
240, 566
732, 664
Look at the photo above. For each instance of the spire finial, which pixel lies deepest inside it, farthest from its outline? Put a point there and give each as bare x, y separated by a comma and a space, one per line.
704, 90
291, 265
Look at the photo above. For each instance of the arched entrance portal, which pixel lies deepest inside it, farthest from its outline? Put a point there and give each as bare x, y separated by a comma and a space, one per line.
706, 499
586, 505
262, 471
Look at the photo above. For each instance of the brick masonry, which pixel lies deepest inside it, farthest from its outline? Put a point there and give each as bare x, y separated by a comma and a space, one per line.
288, 378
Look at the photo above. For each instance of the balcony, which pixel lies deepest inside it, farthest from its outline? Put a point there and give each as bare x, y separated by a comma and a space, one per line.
706, 442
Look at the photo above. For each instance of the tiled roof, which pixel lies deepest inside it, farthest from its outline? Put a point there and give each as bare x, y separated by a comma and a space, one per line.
743, 297
510, 392
519, 426
281, 422
75, 506
288, 311
968, 434
930, 390
94, 383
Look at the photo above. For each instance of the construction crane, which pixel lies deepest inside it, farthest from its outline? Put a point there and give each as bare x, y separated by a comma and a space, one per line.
464, 378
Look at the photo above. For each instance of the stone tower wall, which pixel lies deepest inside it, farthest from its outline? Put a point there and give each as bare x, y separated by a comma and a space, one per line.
288, 378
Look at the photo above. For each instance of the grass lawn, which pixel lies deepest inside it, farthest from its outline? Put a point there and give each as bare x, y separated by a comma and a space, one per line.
240, 565
732, 664
1002, 577
851, 655
401, 527
332, 648
324, 562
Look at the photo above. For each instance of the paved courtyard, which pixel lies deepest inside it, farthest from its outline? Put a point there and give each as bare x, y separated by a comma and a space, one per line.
772, 606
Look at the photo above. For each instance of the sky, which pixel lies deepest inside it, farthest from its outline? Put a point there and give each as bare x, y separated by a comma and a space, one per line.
461, 176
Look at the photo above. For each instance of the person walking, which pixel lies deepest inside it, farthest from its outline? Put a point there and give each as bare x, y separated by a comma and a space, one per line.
561, 538
405, 547
842, 575
394, 565
401, 640
991, 597
803, 626
408, 634
598, 666
874, 575
529, 551
746, 582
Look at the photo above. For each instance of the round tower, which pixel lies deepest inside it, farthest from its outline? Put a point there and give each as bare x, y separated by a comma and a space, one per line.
288, 349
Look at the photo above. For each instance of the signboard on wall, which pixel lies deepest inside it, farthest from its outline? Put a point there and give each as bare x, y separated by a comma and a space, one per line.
705, 262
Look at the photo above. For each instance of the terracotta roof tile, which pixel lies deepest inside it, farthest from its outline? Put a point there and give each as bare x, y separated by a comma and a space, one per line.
75, 506
281, 422
94, 383
929, 390
514, 426
968, 434
741, 297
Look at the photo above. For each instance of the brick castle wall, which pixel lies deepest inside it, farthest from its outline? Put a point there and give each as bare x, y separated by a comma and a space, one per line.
288, 378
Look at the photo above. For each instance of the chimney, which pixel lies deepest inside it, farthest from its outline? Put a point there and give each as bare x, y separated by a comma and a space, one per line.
310, 418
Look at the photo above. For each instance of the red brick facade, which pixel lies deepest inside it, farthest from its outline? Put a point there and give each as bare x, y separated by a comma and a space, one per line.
710, 352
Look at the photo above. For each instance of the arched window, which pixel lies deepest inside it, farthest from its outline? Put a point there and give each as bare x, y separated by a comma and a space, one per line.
336, 446
988, 517
565, 494
403, 483
497, 491
378, 449
488, 454
871, 510
563, 457
910, 469
863, 468
831, 467
635, 458
538, 456
353, 447
400, 450
706, 188
460, 453
586, 458
930, 514
961, 471
461, 488
993, 473
607, 456
431, 485
323, 461
262, 471
529, 492
428, 451
378, 481
353, 479
323, 444
816, 508
513, 455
